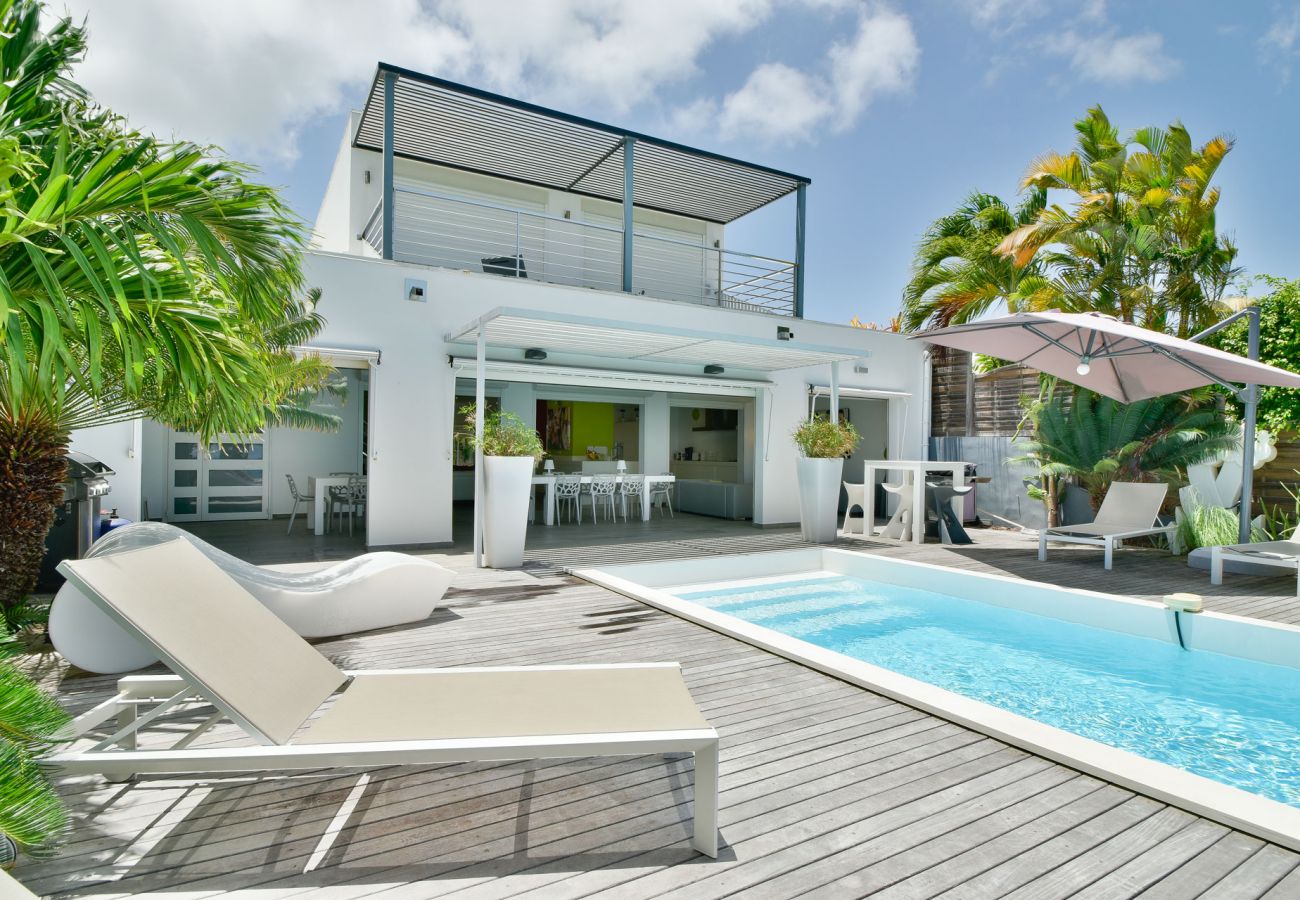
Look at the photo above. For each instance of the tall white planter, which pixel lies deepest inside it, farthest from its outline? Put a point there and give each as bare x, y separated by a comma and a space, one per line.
819, 498
508, 483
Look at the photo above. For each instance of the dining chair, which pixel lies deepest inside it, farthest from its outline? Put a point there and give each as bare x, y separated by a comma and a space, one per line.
661, 495
631, 488
602, 495
349, 499
298, 498
568, 492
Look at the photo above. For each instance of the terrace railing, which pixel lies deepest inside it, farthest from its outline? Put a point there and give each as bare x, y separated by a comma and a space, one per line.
459, 233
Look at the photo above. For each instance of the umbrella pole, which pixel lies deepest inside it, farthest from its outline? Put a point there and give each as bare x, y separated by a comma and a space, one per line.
1250, 404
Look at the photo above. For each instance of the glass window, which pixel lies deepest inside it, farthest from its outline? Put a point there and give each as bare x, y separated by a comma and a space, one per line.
186, 450
185, 478
227, 450
236, 504
185, 506
234, 478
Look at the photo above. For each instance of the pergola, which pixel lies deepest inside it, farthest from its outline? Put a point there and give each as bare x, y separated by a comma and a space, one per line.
428, 119
527, 329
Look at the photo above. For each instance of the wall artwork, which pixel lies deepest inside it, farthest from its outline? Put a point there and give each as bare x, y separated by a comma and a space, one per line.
559, 426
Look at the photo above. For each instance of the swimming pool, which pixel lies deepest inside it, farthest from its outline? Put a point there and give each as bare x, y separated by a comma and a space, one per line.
1097, 681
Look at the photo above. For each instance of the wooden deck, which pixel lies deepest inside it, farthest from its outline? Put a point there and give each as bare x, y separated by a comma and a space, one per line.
827, 790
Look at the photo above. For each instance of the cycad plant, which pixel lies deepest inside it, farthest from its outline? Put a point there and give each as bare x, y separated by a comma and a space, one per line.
31, 813
1094, 440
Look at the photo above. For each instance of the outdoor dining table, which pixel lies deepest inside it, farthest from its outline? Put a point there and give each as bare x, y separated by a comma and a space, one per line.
318, 486
548, 481
918, 468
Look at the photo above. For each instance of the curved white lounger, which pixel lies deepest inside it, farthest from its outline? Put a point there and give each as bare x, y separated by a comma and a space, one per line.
374, 590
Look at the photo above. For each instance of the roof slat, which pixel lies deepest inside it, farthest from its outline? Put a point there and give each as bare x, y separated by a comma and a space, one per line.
441, 122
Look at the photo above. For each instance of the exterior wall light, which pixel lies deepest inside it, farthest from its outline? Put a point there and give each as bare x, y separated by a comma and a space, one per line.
415, 290
784, 334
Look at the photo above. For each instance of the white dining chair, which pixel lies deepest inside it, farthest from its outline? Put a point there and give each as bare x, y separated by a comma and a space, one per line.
350, 500
661, 495
602, 495
631, 488
297, 499
568, 493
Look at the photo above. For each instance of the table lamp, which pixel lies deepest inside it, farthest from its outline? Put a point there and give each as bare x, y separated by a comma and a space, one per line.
548, 465
620, 466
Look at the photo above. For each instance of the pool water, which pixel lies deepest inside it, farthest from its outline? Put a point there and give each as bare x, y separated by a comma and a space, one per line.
1232, 720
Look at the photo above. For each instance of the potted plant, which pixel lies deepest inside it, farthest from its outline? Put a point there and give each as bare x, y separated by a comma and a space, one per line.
823, 445
511, 449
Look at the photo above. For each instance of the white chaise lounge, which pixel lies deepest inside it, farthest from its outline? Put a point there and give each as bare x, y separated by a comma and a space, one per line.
227, 649
1280, 554
373, 590
1129, 510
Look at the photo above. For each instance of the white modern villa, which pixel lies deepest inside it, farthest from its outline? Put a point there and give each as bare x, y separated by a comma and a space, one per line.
589, 268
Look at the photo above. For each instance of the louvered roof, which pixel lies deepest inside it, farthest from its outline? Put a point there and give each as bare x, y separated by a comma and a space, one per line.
439, 121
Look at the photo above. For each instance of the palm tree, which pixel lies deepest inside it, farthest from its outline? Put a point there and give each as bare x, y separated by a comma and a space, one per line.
957, 273
1095, 440
136, 277
1138, 240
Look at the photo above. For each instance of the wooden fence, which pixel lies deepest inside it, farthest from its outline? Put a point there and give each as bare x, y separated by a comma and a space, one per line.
966, 404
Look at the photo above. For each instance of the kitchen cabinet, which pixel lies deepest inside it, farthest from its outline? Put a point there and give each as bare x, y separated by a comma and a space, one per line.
725, 500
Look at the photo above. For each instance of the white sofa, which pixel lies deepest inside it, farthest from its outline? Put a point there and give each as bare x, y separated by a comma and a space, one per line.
374, 590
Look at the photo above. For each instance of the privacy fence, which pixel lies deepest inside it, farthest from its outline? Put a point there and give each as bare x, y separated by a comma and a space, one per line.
976, 416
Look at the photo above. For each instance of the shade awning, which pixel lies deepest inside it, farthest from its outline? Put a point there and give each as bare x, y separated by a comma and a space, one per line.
449, 124
1101, 353
523, 329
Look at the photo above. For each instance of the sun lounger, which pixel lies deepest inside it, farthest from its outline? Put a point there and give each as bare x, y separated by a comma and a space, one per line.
1282, 554
229, 652
1129, 510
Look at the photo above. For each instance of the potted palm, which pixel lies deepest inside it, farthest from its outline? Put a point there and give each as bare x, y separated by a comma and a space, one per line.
511, 450
823, 445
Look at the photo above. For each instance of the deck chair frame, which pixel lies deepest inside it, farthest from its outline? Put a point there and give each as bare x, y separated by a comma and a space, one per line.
1107, 540
1240, 551
118, 757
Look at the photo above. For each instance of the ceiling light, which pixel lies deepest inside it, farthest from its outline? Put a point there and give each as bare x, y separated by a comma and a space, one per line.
534, 353
1085, 365
712, 369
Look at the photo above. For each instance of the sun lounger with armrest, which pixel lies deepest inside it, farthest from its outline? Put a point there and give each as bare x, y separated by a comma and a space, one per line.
228, 651
1129, 510
1283, 554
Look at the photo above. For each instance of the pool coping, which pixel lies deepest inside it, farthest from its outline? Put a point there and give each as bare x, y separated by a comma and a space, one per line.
1235, 807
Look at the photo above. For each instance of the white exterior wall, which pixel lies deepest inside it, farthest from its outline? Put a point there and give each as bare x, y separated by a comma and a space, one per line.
119, 447
410, 469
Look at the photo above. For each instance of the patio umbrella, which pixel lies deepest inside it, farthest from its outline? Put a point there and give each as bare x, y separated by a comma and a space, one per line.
1126, 362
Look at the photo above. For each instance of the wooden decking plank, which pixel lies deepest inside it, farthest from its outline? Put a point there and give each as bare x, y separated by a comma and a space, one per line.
1208, 867
1147, 869
1256, 876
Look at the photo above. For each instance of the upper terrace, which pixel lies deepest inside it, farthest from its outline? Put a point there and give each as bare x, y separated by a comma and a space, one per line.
649, 214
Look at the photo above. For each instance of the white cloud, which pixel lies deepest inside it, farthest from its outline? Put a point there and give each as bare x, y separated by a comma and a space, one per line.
250, 74
1278, 44
782, 104
1115, 59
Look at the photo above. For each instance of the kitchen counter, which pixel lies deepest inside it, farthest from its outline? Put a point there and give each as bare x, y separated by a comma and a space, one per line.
724, 499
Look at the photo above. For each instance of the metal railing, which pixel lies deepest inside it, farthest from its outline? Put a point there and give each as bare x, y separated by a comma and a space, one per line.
452, 232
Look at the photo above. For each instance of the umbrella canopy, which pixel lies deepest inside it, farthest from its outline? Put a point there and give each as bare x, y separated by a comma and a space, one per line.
1108, 356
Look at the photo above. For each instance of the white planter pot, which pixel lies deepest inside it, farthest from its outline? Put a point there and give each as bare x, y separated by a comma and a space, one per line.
508, 487
819, 498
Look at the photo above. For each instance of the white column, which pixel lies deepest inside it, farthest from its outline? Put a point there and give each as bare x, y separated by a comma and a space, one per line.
761, 415
655, 438
835, 392
480, 409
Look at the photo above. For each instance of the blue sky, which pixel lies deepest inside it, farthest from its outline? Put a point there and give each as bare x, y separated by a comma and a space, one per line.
896, 111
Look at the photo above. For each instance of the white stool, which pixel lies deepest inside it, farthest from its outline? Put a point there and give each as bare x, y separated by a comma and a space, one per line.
857, 497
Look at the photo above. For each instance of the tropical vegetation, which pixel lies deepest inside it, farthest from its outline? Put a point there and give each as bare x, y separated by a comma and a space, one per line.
820, 438
136, 277
1279, 345
504, 434
1094, 440
31, 814
1135, 237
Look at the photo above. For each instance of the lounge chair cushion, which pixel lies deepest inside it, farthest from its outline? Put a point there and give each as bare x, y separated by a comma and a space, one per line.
495, 704
209, 630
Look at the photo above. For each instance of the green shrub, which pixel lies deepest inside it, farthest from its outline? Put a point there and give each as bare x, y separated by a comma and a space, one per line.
820, 438
1206, 526
504, 434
